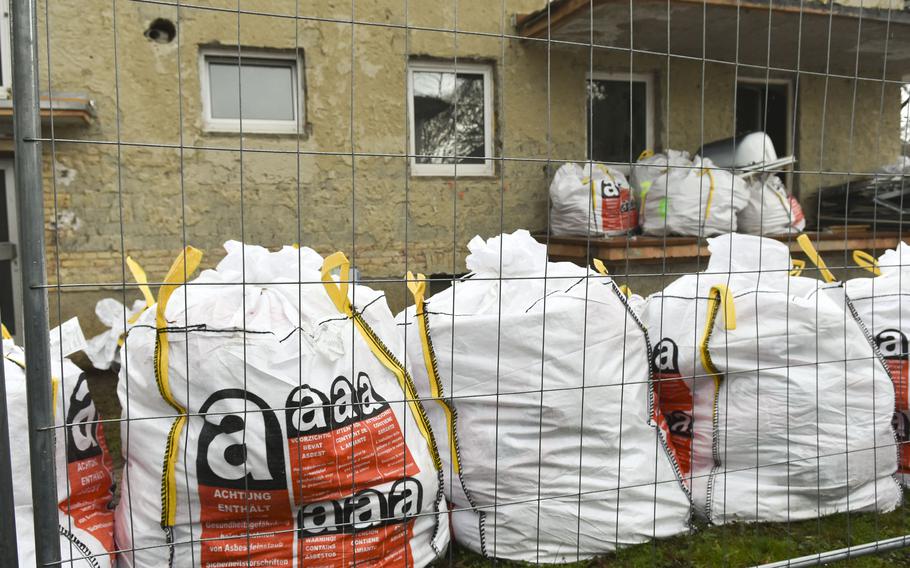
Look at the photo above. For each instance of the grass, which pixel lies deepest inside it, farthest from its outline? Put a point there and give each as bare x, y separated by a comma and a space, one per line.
748, 544
732, 545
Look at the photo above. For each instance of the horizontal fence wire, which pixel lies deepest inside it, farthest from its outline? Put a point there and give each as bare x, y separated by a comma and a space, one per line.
487, 489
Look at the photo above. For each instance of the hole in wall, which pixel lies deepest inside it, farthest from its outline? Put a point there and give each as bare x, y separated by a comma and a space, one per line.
161, 31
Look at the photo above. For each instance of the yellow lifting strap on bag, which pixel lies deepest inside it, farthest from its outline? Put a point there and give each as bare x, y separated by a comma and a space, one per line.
55, 386
184, 265
140, 277
418, 288
805, 243
645, 154
719, 301
6, 333
866, 261
602, 268
798, 267
143, 281
338, 293
710, 191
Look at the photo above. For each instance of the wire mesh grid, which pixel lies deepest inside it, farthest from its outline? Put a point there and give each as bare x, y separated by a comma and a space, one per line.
652, 402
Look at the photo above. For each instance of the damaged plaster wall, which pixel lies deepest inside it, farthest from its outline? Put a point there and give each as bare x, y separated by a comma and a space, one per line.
219, 186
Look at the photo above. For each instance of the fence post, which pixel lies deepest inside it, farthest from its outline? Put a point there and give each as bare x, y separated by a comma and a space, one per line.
8, 549
27, 131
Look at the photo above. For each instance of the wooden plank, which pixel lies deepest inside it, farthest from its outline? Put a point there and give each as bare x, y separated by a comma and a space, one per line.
59, 114
650, 249
534, 25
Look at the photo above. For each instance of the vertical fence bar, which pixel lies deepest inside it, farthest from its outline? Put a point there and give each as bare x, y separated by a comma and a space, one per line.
27, 130
8, 548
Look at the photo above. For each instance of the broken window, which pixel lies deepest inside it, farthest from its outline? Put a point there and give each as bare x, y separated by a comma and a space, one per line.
451, 119
905, 116
262, 89
764, 106
619, 117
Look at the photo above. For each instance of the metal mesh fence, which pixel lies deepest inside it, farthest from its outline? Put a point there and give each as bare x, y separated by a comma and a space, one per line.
404, 282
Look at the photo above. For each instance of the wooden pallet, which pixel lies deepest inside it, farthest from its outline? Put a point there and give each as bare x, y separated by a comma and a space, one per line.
641, 248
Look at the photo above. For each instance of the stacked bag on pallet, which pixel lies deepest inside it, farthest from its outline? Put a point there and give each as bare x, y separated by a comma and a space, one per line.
82, 461
539, 373
680, 196
771, 209
593, 199
297, 438
883, 303
779, 407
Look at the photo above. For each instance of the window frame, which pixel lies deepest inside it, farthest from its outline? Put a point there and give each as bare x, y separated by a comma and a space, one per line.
6, 47
792, 134
487, 168
623, 77
293, 60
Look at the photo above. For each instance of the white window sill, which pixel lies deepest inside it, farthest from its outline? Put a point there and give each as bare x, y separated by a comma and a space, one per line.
438, 170
253, 127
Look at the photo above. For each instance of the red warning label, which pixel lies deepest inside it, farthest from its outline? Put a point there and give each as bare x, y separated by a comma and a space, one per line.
675, 403
89, 468
245, 528
90, 494
383, 546
370, 528
244, 504
345, 443
618, 211
796, 213
674, 408
901, 421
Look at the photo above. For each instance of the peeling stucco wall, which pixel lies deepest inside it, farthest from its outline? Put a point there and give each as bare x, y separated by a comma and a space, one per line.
280, 189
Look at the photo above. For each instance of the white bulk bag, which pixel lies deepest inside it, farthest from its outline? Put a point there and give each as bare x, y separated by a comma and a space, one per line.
82, 461
297, 438
103, 350
591, 200
543, 387
771, 209
754, 369
683, 197
883, 303
650, 166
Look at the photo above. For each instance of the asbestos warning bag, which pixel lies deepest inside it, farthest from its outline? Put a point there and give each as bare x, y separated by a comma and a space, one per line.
538, 372
883, 303
591, 200
269, 423
82, 461
777, 403
771, 210
679, 196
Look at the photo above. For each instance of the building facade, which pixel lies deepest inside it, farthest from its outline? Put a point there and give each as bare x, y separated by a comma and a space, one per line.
149, 153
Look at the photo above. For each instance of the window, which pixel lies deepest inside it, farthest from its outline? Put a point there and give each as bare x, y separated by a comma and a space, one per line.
267, 86
765, 106
451, 119
6, 59
620, 116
